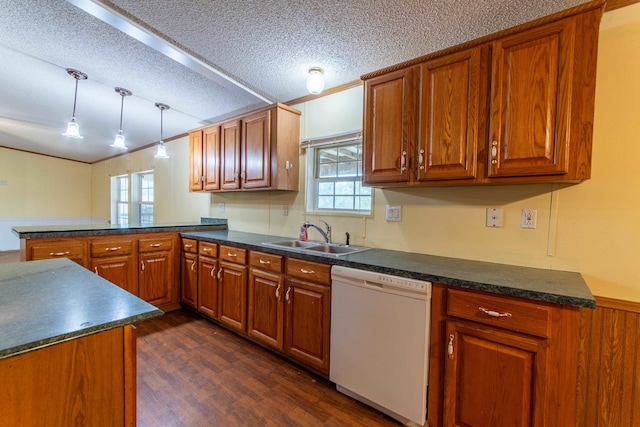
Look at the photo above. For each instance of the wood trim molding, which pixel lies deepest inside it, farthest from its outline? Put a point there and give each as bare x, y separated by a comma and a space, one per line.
326, 92
618, 304
617, 4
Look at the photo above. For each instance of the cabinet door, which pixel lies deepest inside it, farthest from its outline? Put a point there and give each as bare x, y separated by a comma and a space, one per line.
195, 161
119, 270
189, 288
155, 277
256, 150
265, 312
211, 158
230, 155
208, 287
449, 116
531, 101
389, 127
232, 297
307, 323
493, 377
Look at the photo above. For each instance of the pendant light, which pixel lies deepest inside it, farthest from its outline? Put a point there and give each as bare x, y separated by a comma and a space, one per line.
162, 150
118, 142
315, 80
73, 131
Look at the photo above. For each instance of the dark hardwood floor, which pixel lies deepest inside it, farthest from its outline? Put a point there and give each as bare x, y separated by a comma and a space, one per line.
194, 373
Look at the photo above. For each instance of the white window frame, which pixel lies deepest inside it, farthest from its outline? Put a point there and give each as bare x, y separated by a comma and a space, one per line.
135, 199
313, 181
116, 199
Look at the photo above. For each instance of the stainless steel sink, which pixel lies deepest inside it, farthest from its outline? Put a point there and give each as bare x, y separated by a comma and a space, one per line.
317, 248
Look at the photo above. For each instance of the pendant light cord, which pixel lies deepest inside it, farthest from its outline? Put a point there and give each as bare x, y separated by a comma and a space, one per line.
75, 97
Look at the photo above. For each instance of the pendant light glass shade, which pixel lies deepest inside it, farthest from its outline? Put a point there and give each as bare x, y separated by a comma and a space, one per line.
118, 142
315, 81
162, 150
73, 130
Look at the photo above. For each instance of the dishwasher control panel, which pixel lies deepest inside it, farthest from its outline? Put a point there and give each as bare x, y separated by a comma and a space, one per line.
401, 282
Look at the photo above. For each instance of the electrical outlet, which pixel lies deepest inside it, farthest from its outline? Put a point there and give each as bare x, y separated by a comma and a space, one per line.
4, 182
394, 213
285, 210
494, 217
529, 218
220, 207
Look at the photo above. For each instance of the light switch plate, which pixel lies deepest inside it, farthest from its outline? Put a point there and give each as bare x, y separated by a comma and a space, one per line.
220, 207
494, 217
394, 213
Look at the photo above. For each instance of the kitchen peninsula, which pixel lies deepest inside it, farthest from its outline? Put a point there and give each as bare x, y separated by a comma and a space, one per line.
67, 346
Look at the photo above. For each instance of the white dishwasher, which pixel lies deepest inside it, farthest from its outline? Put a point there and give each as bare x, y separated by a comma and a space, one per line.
380, 341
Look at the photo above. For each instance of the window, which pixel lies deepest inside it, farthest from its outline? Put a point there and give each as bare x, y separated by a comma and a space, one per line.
120, 200
132, 198
334, 178
145, 198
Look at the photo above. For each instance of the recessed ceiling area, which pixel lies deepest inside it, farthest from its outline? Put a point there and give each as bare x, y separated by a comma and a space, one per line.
205, 59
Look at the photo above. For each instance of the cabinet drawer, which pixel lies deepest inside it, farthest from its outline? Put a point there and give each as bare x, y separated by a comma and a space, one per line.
190, 246
231, 254
516, 315
155, 244
265, 261
64, 249
307, 270
208, 249
103, 248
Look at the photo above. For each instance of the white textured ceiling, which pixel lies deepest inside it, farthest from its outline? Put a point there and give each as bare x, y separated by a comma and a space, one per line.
265, 46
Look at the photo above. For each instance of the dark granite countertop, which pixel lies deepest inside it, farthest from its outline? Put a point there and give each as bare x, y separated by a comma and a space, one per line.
561, 287
46, 302
81, 230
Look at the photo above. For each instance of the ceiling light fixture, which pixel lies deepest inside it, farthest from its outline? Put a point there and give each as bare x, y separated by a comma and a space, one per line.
118, 142
315, 80
73, 130
162, 150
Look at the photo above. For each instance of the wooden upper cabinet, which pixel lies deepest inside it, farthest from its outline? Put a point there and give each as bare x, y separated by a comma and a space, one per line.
230, 155
389, 128
256, 150
211, 158
511, 107
449, 116
531, 101
195, 161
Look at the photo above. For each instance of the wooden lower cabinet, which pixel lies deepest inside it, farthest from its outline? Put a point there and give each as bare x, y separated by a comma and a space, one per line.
189, 288
232, 288
208, 287
501, 361
265, 318
84, 381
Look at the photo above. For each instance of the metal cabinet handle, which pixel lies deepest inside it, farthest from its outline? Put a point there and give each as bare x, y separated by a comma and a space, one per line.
96, 270
265, 262
142, 265
403, 162
493, 313
307, 271
494, 152
235, 176
115, 248
278, 292
243, 176
287, 297
212, 271
219, 275
193, 266
58, 253
232, 254
450, 347
421, 159
188, 246
206, 249
155, 245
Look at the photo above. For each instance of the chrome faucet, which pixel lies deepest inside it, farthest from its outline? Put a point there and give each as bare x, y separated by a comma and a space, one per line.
326, 234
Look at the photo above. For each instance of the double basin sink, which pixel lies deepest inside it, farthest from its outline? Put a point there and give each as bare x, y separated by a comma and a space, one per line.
316, 248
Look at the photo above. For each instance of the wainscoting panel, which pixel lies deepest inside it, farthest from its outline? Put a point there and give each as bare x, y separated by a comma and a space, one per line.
609, 365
